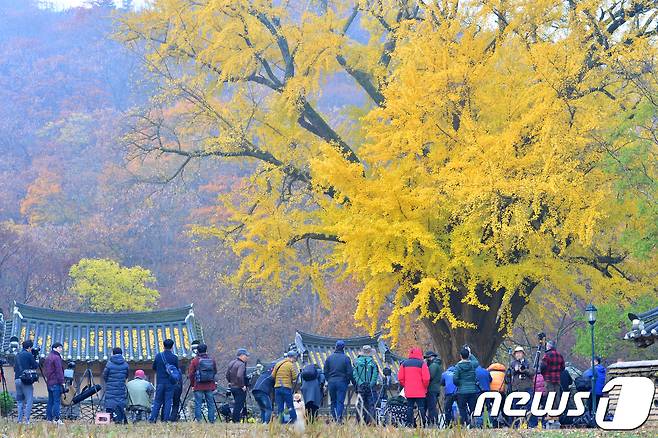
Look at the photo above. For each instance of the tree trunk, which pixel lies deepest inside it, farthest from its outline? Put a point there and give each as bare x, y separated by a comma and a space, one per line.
487, 337
483, 342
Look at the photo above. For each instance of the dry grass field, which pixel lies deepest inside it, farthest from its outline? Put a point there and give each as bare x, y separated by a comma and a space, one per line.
80, 430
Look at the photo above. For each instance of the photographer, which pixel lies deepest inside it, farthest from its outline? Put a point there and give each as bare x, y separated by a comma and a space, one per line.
520, 376
25, 366
520, 373
434, 388
202, 378
236, 375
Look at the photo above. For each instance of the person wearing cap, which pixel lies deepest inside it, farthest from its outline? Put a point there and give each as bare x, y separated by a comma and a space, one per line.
140, 392
236, 374
365, 374
434, 388
53, 372
339, 373
284, 375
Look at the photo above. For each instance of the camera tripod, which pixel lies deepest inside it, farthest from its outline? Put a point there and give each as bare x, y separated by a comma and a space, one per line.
90, 384
4, 387
540, 347
184, 402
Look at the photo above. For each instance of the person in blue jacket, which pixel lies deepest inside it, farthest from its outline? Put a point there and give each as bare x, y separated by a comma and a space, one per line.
600, 377
262, 392
483, 378
165, 389
338, 372
449, 393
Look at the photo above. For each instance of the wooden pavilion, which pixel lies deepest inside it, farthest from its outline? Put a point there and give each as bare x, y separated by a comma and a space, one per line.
88, 339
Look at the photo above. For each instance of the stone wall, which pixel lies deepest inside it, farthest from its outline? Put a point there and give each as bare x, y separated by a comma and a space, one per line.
644, 368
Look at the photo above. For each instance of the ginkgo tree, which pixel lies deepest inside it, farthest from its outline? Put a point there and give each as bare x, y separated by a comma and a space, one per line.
105, 286
477, 176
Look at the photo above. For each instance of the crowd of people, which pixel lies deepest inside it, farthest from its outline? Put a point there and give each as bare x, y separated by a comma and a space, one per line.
282, 386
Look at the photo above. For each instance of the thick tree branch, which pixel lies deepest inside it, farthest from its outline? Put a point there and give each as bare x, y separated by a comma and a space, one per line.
315, 236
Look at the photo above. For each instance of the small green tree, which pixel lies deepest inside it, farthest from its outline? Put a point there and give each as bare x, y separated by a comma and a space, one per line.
106, 286
6, 403
611, 324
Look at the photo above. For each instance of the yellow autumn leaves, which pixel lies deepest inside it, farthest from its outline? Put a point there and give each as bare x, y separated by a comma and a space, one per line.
475, 181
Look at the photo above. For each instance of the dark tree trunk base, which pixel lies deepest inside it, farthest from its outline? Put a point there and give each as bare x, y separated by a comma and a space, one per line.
448, 342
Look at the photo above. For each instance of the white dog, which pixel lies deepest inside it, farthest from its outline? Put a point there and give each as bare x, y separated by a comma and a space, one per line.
300, 410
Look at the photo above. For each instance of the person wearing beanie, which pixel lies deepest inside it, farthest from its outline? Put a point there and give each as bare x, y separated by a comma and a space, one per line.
140, 394
236, 374
339, 373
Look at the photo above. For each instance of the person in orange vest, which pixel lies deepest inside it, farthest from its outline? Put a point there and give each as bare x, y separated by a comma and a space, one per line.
497, 371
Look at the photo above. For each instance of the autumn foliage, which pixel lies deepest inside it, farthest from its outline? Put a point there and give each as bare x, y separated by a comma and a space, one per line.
476, 174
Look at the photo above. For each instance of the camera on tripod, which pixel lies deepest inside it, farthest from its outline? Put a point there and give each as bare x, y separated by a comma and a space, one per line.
541, 336
70, 369
35, 352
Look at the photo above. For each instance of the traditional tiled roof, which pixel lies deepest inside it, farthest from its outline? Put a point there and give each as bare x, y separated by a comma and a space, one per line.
91, 336
315, 349
644, 329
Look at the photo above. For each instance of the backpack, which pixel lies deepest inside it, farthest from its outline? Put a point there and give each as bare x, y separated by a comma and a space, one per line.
205, 370
309, 373
364, 372
172, 371
29, 377
583, 384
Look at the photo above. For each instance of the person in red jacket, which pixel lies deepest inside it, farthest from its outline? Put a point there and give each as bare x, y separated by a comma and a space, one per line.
202, 378
414, 376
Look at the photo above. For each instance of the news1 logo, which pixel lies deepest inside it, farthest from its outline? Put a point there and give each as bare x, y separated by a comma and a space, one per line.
633, 404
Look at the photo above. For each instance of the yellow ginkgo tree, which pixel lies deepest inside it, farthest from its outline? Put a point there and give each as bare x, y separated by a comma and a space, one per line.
476, 174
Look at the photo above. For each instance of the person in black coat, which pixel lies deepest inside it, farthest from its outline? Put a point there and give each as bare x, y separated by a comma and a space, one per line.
24, 392
262, 392
115, 375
